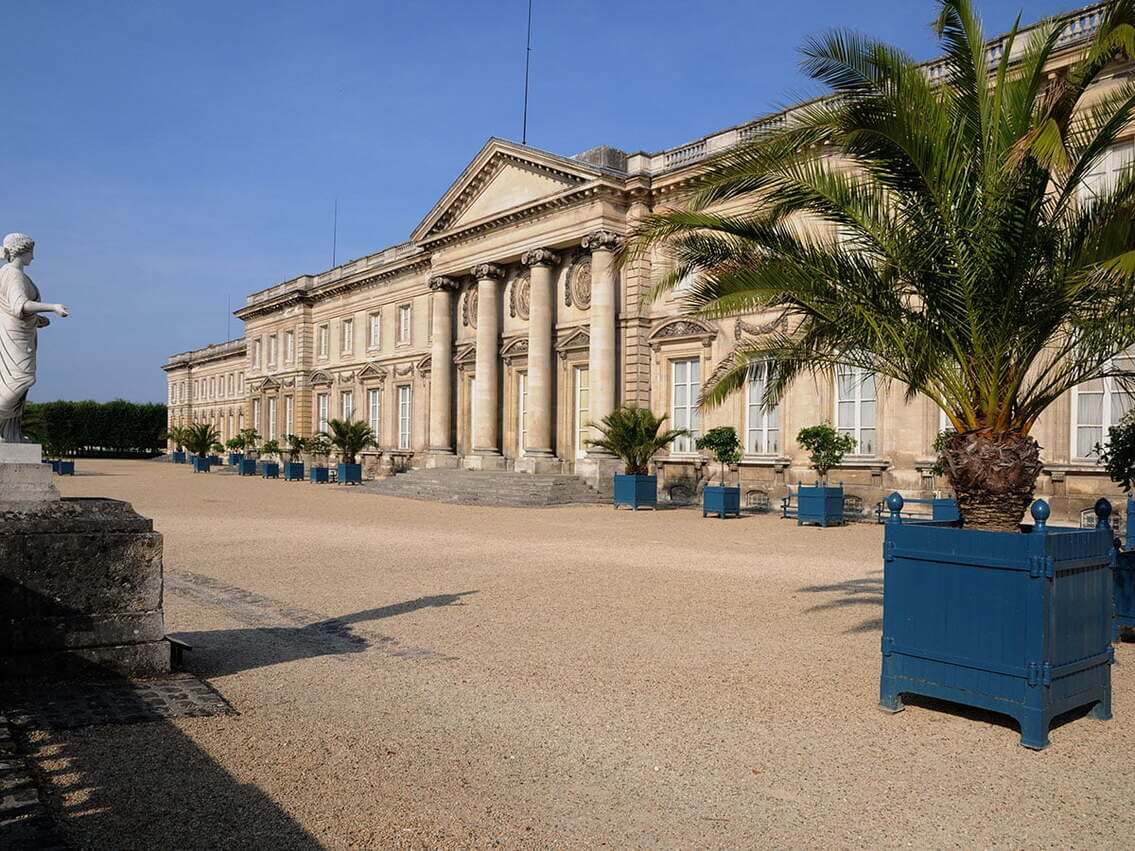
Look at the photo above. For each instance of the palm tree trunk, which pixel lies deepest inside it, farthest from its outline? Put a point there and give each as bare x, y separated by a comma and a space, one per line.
994, 477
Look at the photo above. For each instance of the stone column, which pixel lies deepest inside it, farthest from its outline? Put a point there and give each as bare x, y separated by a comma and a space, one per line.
539, 455
486, 428
441, 452
599, 465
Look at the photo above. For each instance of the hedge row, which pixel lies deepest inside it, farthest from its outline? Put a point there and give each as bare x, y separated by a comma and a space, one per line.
97, 429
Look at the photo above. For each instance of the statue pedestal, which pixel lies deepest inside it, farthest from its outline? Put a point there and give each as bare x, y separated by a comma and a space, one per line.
24, 478
80, 590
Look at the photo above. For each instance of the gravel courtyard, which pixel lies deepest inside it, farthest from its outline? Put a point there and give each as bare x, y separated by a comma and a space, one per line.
417, 675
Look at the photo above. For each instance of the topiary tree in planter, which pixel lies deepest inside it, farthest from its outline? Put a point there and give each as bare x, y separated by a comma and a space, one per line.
826, 448
350, 437
293, 467
199, 439
270, 468
1118, 458
635, 435
271, 448
320, 447
946, 234
722, 442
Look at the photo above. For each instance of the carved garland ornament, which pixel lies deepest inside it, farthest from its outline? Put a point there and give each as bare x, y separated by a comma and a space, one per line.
519, 296
469, 308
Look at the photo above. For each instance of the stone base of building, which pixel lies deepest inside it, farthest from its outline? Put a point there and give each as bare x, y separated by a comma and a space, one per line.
80, 591
478, 461
24, 478
440, 459
599, 471
539, 465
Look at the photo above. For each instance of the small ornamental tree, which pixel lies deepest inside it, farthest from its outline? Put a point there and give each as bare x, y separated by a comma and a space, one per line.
296, 447
319, 446
217, 448
234, 444
249, 439
1118, 456
826, 447
635, 435
722, 442
199, 438
350, 437
177, 437
271, 448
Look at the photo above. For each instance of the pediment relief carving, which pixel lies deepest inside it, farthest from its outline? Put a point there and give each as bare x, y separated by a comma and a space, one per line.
372, 372
424, 365
575, 340
673, 330
517, 347
319, 377
465, 355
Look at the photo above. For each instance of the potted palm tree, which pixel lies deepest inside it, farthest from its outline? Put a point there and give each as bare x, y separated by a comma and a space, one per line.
293, 467
822, 503
1119, 459
722, 442
177, 436
235, 445
634, 435
270, 467
320, 447
199, 438
957, 244
215, 453
249, 439
350, 437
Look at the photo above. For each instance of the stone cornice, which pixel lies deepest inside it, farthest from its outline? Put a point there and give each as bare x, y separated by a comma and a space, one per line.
540, 257
215, 352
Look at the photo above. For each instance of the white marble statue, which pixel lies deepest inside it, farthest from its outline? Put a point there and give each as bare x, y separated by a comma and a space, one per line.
20, 317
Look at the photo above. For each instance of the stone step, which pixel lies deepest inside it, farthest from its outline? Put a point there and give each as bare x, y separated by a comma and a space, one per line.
468, 487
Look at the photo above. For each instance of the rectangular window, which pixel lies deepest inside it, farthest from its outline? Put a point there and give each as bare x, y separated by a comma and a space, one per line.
212, 388
405, 410
404, 318
347, 404
685, 390
240, 383
762, 425
855, 407
289, 346
522, 414
323, 405
1097, 406
374, 411
374, 330
289, 415
272, 350
324, 341
272, 419
232, 384
582, 410
348, 336
1106, 171
256, 414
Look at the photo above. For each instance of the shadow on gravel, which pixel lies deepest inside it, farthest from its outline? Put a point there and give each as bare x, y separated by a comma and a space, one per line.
221, 652
864, 591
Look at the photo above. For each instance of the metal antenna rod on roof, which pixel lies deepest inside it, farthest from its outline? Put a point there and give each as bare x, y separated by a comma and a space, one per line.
527, 59
334, 231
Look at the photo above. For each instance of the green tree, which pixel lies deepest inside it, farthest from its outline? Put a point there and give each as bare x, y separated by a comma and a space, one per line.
722, 442
199, 438
938, 232
635, 435
319, 445
826, 447
1118, 456
350, 437
271, 448
296, 446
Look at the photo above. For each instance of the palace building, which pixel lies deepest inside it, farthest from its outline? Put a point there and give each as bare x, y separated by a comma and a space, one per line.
503, 326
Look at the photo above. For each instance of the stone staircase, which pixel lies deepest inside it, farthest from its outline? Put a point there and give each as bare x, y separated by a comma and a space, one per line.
483, 487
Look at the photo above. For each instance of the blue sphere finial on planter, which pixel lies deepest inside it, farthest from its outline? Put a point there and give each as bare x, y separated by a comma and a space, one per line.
1040, 511
895, 503
1103, 512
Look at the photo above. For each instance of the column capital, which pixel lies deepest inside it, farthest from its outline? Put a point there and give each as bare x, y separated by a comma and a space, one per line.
540, 257
488, 271
602, 240
442, 282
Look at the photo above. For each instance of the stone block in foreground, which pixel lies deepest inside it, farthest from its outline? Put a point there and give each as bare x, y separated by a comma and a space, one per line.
80, 590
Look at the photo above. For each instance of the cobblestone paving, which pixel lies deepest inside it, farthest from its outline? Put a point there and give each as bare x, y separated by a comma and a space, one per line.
333, 635
64, 706
24, 818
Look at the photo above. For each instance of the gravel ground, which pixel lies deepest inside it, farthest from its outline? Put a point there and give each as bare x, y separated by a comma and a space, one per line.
420, 675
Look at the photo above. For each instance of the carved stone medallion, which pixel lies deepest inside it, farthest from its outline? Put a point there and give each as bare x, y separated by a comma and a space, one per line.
578, 290
469, 308
519, 295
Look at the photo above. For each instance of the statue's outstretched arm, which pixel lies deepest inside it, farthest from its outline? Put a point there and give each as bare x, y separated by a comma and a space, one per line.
31, 307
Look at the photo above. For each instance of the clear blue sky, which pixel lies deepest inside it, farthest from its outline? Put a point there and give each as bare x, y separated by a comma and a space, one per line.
168, 156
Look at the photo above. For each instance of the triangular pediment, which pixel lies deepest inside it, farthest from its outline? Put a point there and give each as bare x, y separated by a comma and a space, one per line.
372, 371
319, 377
503, 176
580, 338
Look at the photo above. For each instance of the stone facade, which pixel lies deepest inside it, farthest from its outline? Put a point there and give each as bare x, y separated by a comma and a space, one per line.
504, 325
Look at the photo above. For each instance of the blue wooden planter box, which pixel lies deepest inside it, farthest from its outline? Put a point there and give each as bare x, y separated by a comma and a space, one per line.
1124, 592
945, 510
1015, 623
235, 458
177, 457
270, 469
320, 475
721, 500
246, 467
819, 504
214, 460
636, 491
200, 465
350, 474
293, 471
63, 468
